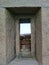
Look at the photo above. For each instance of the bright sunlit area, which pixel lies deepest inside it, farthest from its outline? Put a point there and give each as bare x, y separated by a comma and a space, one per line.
25, 28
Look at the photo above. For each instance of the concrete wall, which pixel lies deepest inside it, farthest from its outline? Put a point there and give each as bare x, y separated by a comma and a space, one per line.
24, 3
2, 37
7, 27
45, 36
17, 38
38, 37
10, 25
7, 45
33, 36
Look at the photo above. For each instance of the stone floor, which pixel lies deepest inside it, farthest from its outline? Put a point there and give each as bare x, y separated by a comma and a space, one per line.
28, 61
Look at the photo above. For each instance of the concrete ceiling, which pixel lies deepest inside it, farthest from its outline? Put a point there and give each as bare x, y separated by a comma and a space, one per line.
24, 10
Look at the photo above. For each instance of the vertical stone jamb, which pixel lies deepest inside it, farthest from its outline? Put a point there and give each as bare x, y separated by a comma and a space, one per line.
45, 35
2, 36
17, 38
32, 37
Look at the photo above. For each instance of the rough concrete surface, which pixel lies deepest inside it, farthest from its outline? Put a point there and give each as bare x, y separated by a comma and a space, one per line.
25, 3
7, 52
24, 62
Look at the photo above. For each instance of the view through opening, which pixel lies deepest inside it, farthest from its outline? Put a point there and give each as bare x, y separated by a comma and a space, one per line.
25, 28
25, 37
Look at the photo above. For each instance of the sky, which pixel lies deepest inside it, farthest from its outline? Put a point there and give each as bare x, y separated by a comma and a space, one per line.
25, 28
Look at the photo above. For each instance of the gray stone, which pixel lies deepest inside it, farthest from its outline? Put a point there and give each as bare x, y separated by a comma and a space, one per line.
25, 3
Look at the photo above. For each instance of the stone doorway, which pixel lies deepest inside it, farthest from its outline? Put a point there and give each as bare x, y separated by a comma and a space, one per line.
23, 44
10, 27
25, 37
